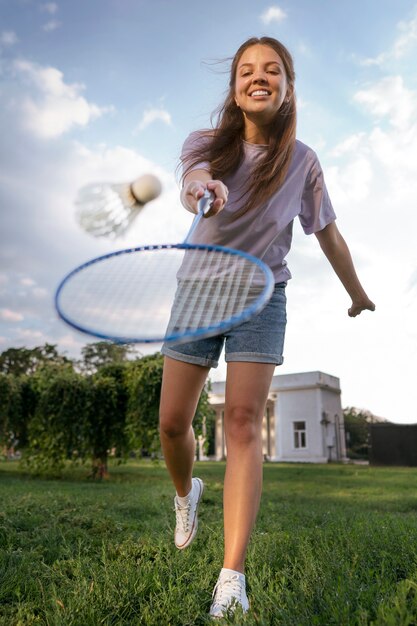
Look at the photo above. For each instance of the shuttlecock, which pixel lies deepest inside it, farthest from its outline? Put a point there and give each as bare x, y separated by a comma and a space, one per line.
108, 210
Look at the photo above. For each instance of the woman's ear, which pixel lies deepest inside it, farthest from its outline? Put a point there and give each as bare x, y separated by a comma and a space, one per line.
289, 94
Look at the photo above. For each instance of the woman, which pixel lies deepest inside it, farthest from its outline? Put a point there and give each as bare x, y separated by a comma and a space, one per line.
262, 178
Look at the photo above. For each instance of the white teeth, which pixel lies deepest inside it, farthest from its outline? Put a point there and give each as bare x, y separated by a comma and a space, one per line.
259, 92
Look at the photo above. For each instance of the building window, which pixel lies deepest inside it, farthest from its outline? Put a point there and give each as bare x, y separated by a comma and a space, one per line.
300, 435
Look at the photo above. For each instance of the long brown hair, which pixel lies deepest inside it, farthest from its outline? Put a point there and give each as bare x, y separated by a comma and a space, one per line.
224, 149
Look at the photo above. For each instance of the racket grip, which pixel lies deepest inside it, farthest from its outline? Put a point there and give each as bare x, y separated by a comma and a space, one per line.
203, 205
205, 202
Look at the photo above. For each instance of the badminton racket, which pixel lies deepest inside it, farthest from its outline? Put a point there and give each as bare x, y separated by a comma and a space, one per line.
106, 210
168, 292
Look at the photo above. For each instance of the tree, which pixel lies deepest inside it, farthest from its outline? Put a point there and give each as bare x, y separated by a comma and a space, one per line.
103, 414
57, 414
21, 361
56, 432
10, 409
77, 418
16, 361
357, 431
101, 353
144, 379
25, 374
107, 417
205, 417
29, 397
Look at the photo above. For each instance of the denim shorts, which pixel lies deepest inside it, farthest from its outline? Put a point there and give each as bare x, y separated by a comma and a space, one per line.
259, 340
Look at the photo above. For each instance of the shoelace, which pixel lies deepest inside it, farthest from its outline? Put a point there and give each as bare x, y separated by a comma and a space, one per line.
182, 514
227, 589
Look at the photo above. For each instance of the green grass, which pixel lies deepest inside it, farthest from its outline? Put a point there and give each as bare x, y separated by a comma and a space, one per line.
333, 545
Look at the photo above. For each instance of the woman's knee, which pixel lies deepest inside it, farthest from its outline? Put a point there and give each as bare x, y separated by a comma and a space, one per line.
172, 424
243, 424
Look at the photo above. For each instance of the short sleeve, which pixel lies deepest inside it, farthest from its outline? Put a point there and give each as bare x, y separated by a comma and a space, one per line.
194, 141
316, 207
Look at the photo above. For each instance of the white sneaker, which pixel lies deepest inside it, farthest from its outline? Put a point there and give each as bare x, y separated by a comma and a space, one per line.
229, 593
186, 516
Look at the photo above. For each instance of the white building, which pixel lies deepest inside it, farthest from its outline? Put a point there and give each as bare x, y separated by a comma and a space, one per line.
303, 419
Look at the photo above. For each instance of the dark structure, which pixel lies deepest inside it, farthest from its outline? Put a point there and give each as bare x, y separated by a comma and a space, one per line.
393, 444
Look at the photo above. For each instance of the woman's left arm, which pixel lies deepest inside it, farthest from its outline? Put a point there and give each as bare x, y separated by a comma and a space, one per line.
337, 252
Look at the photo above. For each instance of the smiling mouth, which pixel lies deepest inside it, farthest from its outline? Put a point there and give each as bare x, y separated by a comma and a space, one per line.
260, 92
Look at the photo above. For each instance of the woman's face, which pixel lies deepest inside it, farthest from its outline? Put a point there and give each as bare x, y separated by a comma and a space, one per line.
261, 84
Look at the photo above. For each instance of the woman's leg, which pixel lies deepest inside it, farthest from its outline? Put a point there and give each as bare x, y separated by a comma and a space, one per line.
182, 384
247, 389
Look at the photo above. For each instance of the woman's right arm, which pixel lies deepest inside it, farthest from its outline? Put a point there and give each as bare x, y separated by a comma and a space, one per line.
194, 185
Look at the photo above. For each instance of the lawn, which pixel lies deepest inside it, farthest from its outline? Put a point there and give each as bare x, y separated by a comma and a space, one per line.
334, 545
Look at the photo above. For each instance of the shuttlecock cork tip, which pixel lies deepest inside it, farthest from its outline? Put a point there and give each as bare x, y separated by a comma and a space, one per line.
146, 188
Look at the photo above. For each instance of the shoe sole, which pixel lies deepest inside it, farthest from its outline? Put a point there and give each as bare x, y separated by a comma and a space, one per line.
228, 611
195, 524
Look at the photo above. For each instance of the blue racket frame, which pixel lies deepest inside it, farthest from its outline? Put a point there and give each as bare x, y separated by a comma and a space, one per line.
207, 331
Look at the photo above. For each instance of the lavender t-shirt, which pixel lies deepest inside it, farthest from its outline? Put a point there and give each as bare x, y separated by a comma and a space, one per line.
266, 232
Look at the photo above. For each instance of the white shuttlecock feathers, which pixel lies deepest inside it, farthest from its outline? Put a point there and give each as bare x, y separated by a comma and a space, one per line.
108, 210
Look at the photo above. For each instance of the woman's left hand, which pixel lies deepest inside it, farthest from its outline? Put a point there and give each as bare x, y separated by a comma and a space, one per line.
358, 307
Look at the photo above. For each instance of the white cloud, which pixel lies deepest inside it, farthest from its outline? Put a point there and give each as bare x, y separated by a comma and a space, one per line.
57, 106
39, 292
347, 145
397, 153
8, 38
403, 44
413, 281
51, 26
27, 282
152, 115
273, 14
352, 182
69, 342
301, 103
32, 238
53, 197
32, 335
391, 99
376, 171
372, 180
49, 7
10, 316
407, 39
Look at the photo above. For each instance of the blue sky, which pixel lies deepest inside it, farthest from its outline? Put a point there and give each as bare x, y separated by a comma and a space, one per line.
109, 89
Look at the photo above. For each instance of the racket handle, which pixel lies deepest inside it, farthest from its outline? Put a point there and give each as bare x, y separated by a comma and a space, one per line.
204, 205
205, 202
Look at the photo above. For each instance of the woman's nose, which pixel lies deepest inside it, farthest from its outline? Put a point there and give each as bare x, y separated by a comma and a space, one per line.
259, 77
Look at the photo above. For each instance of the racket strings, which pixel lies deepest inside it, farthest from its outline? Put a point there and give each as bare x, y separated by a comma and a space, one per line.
164, 293
220, 287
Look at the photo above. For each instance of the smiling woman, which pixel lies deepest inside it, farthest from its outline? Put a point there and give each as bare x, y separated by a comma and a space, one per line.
261, 178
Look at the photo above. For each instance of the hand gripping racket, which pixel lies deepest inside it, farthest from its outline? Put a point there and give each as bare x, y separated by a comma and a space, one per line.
165, 293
